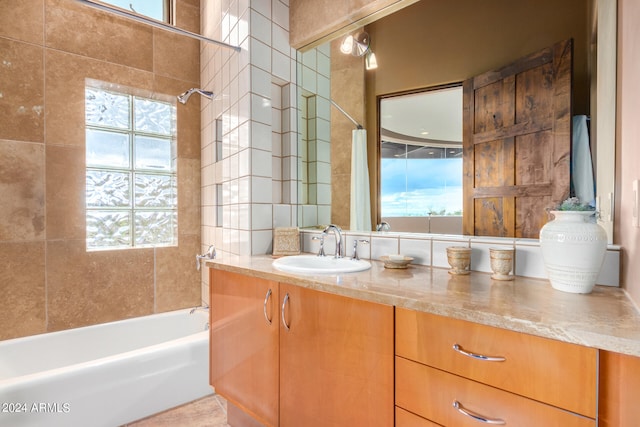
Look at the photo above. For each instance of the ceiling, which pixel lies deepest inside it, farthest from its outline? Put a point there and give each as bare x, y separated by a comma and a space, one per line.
433, 117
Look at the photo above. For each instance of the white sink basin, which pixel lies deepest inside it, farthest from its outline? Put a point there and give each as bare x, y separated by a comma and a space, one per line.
312, 264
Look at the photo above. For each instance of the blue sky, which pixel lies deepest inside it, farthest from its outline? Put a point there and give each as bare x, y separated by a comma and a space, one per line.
151, 8
415, 187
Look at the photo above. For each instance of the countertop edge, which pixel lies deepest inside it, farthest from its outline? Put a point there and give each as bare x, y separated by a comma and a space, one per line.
581, 333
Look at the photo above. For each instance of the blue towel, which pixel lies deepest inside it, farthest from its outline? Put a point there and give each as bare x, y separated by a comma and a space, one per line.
581, 165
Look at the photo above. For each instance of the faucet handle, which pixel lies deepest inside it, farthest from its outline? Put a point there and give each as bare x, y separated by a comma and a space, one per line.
355, 247
383, 226
321, 238
210, 254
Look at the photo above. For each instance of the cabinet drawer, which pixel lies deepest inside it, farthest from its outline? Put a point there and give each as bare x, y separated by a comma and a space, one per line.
431, 394
407, 419
557, 373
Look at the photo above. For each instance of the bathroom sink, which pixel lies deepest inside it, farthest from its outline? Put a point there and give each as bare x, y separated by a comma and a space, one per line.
312, 264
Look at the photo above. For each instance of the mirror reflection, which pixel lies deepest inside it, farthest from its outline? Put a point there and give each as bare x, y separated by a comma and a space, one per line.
421, 161
434, 44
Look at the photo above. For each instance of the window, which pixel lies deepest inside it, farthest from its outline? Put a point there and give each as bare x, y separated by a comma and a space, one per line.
131, 181
420, 180
421, 153
159, 10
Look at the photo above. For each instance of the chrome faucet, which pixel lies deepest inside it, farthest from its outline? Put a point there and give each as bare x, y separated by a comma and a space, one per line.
338, 233
383, 226
204, 307
321, 238
355, 255
210, 254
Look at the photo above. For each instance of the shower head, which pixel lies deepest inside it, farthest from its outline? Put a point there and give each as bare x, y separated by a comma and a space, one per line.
184, 97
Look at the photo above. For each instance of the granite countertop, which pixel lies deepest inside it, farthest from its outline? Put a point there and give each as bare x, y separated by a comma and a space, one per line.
605, 319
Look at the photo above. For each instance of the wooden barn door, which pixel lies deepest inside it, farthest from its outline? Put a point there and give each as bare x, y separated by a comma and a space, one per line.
517, 143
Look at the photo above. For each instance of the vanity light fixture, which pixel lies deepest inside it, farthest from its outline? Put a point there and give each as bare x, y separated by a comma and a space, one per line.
347, 45
358, 45
370, 62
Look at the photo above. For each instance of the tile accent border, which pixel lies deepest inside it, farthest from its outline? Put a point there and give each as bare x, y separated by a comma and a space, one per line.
430, 250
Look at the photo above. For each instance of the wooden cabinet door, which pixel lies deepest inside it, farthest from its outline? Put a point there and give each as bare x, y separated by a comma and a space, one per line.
244, 330
336, 361
619, 389
517, 143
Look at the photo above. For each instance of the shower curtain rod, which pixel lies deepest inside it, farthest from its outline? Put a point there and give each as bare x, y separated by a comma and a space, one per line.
358, 125
156, 23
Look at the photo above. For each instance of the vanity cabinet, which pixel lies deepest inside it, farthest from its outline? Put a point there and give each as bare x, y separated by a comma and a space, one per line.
300, 357
449, 371
336, 360
619, 386
244, 343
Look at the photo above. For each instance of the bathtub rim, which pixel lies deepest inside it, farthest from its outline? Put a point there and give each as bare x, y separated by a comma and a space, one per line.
131, 354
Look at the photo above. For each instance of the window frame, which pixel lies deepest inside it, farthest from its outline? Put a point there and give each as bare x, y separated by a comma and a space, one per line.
168, 10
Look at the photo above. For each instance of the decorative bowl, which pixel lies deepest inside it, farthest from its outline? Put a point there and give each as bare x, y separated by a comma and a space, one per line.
396, 261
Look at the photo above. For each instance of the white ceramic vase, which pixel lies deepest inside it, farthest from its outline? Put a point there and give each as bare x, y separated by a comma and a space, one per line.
573, 249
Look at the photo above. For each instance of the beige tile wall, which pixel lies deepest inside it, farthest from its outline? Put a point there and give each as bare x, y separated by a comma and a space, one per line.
48, 48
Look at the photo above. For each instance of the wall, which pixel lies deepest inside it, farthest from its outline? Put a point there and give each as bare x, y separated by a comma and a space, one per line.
451, 41
313, 22
48, 281
348, 91
628, 142
254, 114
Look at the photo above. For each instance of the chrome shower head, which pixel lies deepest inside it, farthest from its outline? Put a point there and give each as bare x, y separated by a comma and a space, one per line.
184, 97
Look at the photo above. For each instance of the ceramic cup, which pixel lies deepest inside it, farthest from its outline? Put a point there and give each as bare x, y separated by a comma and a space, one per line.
459, 258
501, 263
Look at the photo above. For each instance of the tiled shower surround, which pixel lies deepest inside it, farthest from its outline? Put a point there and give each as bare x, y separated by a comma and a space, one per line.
48, 280
249, 131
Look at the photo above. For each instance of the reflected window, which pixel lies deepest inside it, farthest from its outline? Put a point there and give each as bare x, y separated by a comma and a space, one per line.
421, 154
159, 10
131, 179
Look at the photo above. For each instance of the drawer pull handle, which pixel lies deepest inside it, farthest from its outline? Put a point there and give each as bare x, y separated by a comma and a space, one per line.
459, 349
284, 304
476, 416
264, 306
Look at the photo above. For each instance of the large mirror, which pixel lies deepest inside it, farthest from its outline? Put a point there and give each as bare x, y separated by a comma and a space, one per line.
431, 43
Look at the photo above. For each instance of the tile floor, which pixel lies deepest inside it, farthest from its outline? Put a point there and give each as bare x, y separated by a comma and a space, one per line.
210, 411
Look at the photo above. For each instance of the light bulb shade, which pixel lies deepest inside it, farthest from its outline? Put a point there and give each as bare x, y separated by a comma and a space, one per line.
347, 45
361, 44
370, 62
356, 45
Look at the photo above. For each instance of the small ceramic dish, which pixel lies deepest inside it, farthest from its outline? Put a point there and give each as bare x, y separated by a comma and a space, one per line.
396, 261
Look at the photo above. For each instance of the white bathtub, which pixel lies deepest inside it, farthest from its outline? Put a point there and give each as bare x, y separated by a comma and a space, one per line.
105, 375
